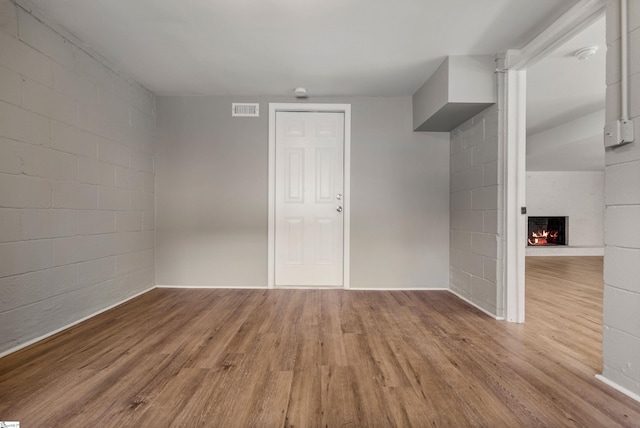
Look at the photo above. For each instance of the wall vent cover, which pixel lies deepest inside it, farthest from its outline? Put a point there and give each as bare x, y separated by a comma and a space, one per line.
245, 109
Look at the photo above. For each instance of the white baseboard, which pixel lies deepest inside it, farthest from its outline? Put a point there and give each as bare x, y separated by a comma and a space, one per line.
310, 287
617, 387
213, 287
38, 339
398, 289
459, 296
302, 288
562, 250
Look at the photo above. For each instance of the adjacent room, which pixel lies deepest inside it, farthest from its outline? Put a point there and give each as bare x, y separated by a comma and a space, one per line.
565, 155
319, 213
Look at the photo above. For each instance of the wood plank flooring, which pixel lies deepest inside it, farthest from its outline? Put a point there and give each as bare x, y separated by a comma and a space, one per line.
311, 358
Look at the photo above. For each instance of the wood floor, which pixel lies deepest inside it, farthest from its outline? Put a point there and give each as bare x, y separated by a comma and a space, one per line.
258, 358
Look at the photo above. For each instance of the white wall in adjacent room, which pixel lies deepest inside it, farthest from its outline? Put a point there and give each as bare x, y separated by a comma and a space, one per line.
578, 195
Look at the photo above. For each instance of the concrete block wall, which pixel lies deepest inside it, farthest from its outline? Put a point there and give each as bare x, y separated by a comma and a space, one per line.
76, 181
621, 335
475, 258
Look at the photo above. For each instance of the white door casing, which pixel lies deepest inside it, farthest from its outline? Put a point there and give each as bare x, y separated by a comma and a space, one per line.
308, 195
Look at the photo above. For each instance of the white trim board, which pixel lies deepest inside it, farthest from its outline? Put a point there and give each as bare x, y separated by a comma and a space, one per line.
617, 387
564, 251
398, 289
214, 287
81, 320
207, 287
512, 90
497, 318
308, 107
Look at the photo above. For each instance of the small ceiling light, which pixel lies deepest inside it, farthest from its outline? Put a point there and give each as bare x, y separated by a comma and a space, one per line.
300, 92
586, 53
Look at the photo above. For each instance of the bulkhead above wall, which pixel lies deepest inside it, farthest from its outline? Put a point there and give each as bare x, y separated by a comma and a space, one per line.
459, 89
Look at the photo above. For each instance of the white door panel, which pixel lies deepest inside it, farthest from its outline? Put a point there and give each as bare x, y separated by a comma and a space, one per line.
294, 176
309, 226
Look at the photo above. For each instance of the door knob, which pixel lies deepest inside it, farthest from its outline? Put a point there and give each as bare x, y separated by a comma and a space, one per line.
339, 209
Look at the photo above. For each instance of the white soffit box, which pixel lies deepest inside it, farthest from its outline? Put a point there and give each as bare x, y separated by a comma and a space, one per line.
459, 89
245, 109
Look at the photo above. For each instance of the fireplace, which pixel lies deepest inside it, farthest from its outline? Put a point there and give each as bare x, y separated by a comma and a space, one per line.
544, 231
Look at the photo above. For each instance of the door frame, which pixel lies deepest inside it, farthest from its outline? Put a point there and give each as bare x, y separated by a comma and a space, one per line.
271, 240
512, 70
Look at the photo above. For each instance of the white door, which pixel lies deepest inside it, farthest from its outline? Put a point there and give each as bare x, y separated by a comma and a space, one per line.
309, 192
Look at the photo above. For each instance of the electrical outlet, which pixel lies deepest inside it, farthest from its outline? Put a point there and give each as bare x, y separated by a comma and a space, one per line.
618, 133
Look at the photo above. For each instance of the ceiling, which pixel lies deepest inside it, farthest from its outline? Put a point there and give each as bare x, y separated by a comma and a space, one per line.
348, 48
562, 87
268, 47
565, 106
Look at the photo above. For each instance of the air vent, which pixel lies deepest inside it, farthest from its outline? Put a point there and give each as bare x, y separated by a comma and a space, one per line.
245, 109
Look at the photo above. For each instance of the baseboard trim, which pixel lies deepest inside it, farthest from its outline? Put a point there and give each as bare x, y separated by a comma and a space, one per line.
398, 289
213, 287
619, 388
561, 250
54, 332
210, 287
494, 316
310, 287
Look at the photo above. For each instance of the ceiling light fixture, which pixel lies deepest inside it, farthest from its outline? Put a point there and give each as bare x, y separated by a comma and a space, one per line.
300, 92
586, 53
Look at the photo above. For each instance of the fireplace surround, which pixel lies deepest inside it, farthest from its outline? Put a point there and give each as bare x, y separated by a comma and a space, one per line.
546, 231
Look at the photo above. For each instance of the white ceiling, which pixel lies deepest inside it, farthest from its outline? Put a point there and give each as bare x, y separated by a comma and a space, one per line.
268, 47
565, 106
346, 48
562, 87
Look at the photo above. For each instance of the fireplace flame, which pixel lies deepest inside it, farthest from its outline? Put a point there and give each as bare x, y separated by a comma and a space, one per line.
543, 237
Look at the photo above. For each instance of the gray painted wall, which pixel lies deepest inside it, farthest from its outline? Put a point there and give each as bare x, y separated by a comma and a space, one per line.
211, 187
76, 182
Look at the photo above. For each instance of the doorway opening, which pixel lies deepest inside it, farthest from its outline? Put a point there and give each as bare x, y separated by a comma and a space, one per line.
516, 67
564, 146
